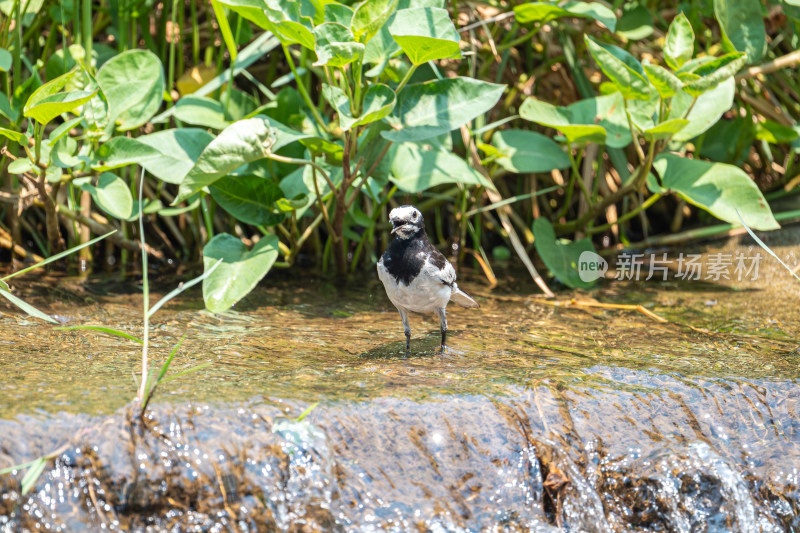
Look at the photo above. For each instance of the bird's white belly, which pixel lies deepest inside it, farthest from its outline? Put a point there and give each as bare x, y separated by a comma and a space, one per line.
423, 295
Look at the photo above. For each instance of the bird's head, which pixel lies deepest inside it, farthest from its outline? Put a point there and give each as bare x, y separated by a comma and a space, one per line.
406, 221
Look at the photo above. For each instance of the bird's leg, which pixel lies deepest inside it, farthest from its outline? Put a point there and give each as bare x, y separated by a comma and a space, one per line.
443, 326
406, 327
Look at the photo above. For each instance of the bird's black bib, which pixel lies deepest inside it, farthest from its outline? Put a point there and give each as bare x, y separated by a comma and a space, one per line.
404, 258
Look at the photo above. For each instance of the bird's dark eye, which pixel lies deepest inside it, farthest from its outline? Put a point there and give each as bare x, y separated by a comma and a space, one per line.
415, 215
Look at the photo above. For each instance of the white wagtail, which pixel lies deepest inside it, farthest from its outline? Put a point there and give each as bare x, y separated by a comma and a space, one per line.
416, 275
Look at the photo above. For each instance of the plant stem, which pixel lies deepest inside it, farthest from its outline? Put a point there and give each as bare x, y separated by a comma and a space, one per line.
627, 216
405, 79
142, 394
301, 88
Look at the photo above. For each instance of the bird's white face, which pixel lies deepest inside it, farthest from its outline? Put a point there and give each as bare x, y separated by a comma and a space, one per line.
406, 221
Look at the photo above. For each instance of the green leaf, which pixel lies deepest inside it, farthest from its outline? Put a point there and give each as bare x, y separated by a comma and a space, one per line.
49, 108
340, 13
335, 45
5, 60
251, 199
679, 44
240, 271
718, 188
426, 110
624, 71
177, 150
15, 136
543, 12
708, 109
416, 168
111, 193
63, 129
46, 102
240, 143
560, 255
425, 34
169, 154
103, 329
25, 306
291, 32
133, 83
201, 111
252, 10
742, 26
636, 22
715, 72
665, 130
527, 151
600, 120
774, 133
665, 82
21, 166
379, 101
370, 16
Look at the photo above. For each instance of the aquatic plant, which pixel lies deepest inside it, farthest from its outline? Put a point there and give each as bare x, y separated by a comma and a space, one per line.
272, 131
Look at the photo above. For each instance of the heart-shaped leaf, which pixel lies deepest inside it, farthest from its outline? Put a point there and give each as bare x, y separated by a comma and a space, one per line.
133, 83
240, 143
742, 25
426, 110
718, 188
560, 255
169, 154
705, 112
528, 151
416, 168
111, 194
425, 34
251, 199
201, 111
600, 120
240, 271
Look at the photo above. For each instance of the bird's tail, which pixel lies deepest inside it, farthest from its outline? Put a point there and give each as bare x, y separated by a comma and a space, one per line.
462, 298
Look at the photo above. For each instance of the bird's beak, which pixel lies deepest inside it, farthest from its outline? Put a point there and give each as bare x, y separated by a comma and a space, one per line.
396, 225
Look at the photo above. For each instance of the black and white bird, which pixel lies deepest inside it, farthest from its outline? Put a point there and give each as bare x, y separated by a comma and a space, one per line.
417, 277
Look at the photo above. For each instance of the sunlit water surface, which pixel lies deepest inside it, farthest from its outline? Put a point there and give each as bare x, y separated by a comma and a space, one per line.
540, 417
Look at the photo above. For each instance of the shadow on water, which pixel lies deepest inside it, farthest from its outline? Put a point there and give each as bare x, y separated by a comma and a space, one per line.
539, 417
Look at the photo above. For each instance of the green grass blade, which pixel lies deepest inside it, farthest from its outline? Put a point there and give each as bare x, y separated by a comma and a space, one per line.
33, 474
21, 466
184, 372
511, 200
182, 288
25, 306
103, 329
59, 255
307, 411
765, 247
166, 364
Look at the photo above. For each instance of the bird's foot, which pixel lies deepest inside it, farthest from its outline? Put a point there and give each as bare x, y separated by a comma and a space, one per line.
443, 349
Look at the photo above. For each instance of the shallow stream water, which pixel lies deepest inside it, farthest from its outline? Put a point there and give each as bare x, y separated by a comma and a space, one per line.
543, 416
